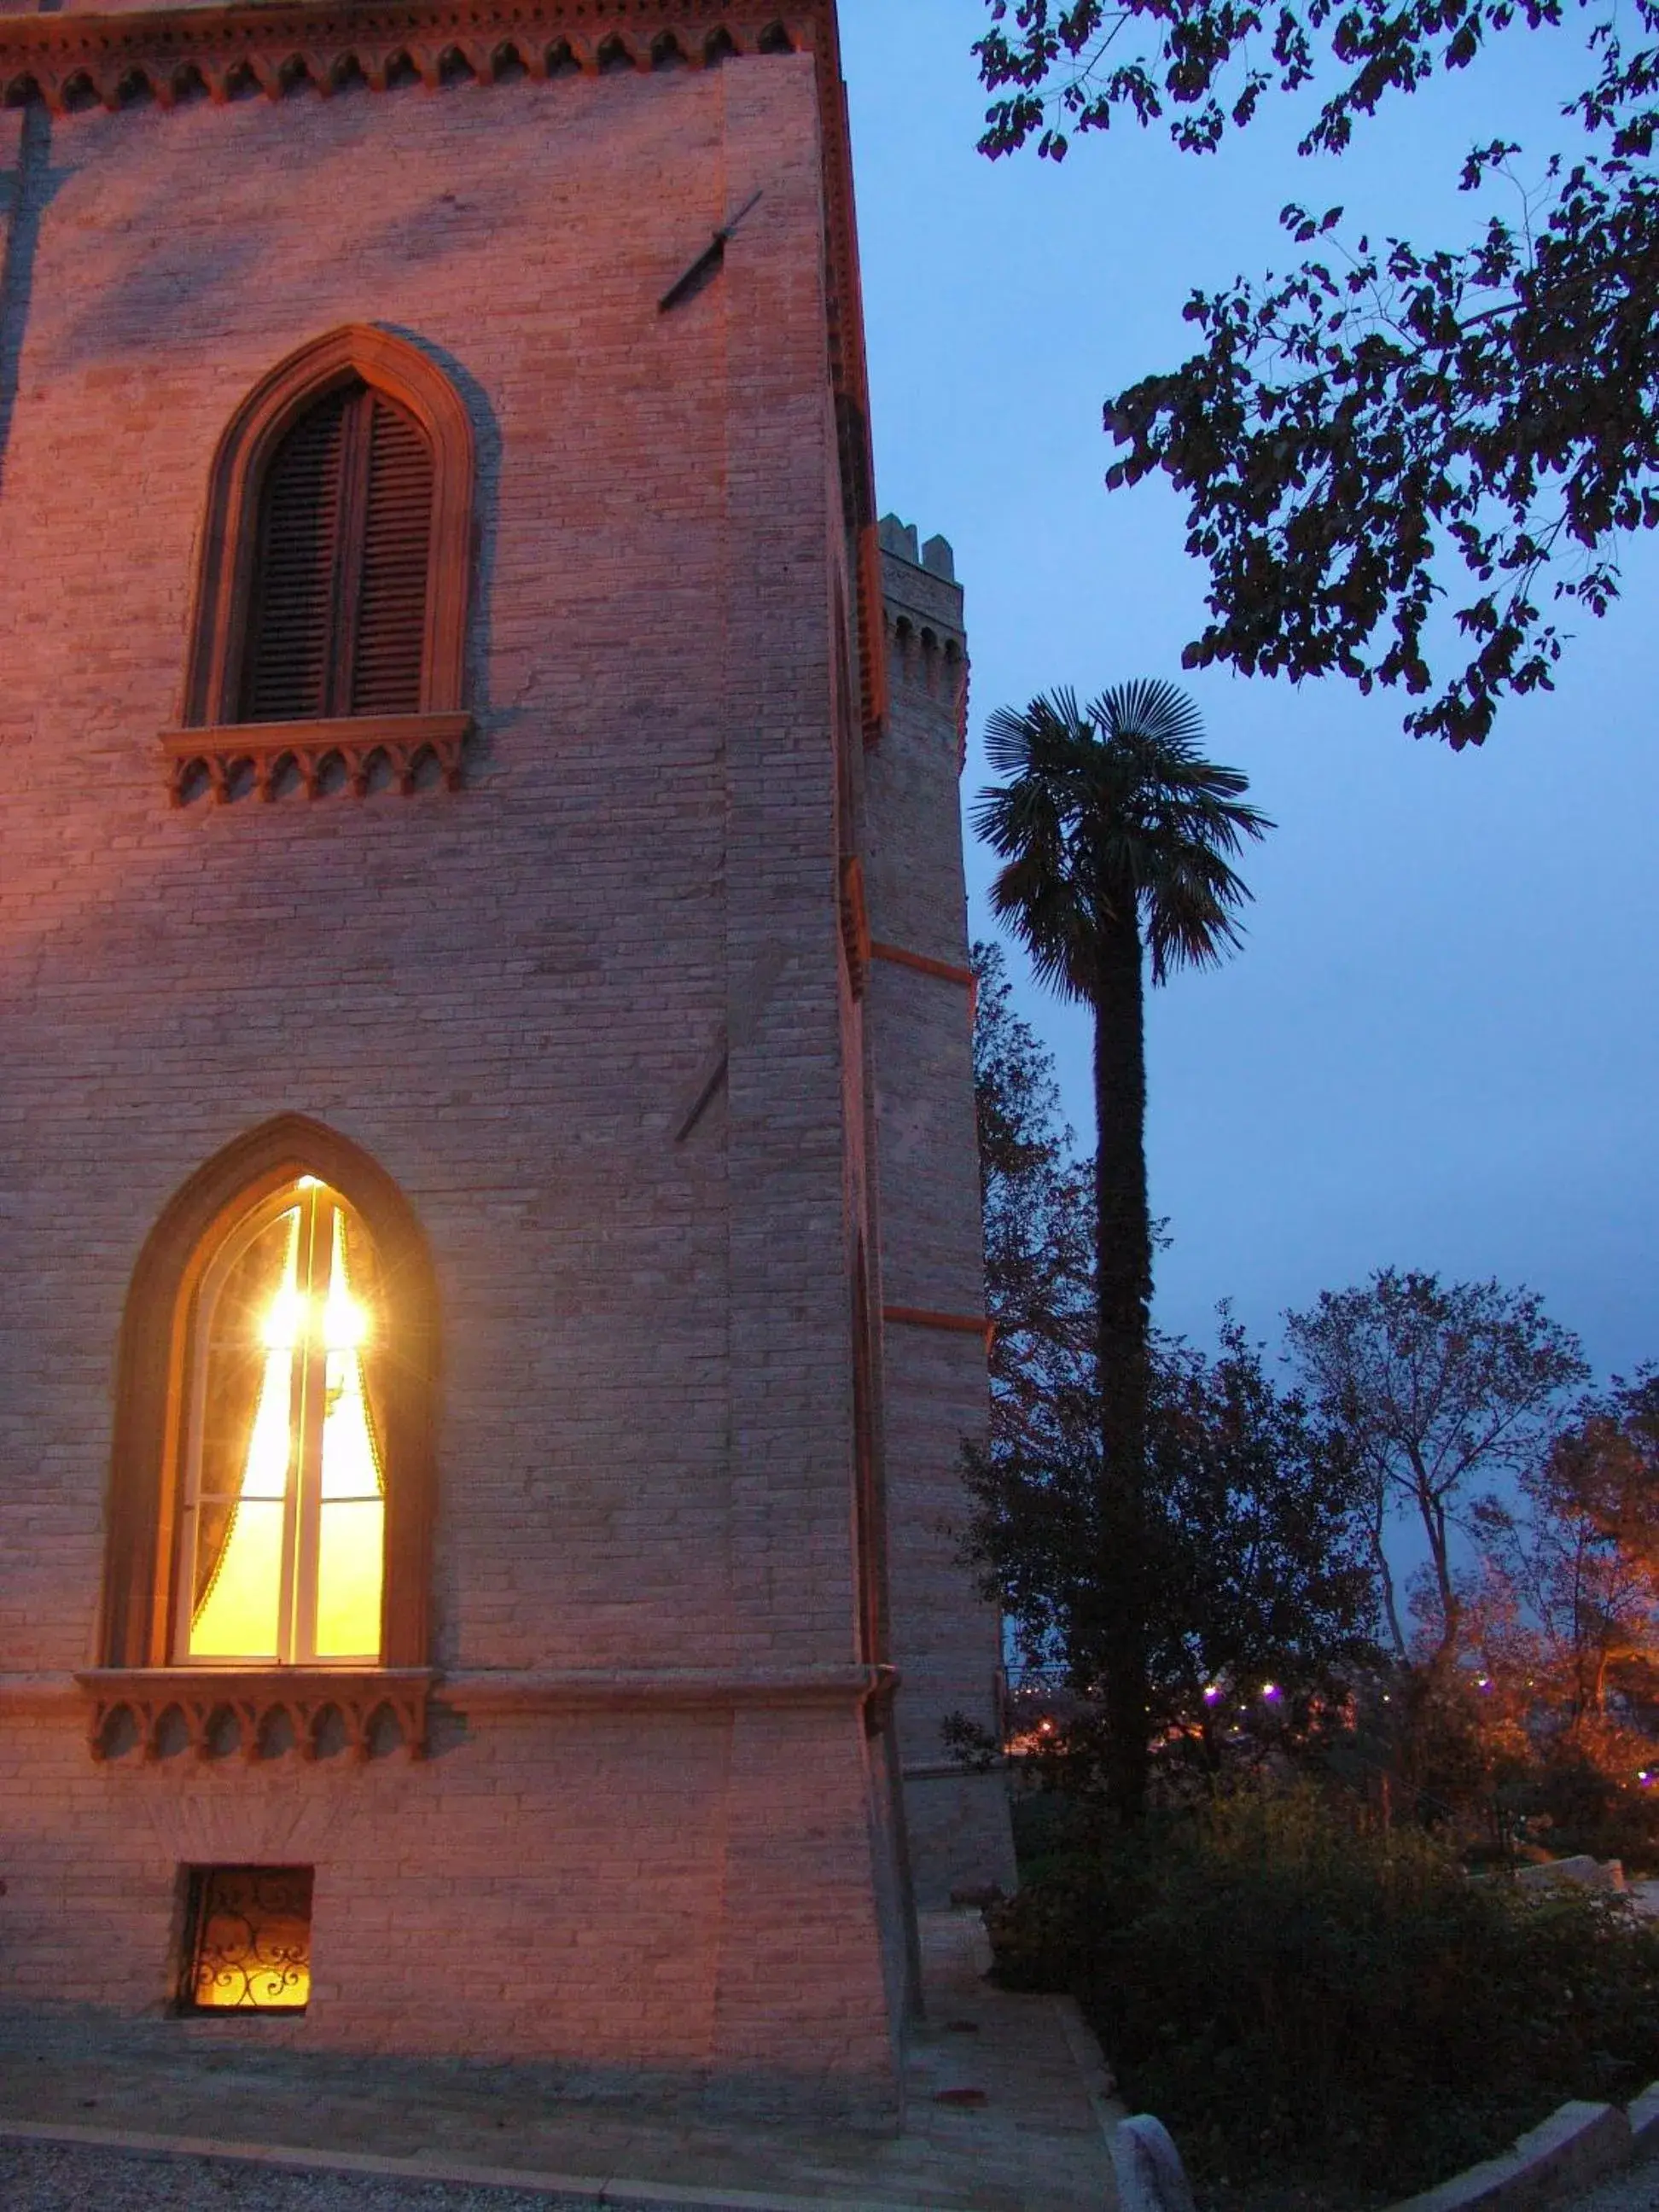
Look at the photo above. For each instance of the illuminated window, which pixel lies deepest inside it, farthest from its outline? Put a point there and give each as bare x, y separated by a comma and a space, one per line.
249, 1940
283, 1538
288, 1259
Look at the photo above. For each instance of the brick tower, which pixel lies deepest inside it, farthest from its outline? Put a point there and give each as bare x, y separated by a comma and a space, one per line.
486, 1145
919, 1041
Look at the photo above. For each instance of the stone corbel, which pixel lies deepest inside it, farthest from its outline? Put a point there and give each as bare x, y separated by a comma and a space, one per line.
265, 749
250, 1699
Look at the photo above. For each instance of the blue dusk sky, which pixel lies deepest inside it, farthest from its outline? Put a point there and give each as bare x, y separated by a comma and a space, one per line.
1437, 1048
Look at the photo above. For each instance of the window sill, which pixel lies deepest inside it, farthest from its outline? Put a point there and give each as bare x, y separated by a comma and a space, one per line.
219, 1711
231, 759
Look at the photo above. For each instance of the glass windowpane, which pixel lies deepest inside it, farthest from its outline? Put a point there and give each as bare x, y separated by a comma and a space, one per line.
290, 1481
248, 1450
351, 1540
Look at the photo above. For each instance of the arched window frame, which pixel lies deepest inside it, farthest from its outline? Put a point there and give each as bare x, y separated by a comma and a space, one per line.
147, 1463
211, 729
295, 1617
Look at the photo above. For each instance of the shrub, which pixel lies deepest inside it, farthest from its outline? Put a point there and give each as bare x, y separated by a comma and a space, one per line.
1575, 1803
1300, 1997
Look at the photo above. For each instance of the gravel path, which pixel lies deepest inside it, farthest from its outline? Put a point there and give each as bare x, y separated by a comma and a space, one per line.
64, 2178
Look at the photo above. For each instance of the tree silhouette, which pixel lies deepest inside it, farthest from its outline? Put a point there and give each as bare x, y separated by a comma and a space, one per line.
1116, 835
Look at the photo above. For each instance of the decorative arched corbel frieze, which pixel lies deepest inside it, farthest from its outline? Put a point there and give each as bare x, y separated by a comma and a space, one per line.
75, 61
265, 756
225, 1714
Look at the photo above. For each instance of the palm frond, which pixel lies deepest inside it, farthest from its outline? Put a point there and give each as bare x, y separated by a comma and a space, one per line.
1114, 805
1015, 743
1153, 712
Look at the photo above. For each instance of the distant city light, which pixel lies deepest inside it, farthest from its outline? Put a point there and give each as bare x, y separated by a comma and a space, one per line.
1270, 1689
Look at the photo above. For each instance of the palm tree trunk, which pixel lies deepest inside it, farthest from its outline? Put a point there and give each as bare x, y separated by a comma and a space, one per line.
1124, 1280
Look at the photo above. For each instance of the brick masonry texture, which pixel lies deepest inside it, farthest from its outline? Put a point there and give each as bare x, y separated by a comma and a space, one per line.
945, 1641
506, 996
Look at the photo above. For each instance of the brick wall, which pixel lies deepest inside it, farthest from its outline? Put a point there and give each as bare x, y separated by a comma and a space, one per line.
659, 1895
945, 1639
508, 996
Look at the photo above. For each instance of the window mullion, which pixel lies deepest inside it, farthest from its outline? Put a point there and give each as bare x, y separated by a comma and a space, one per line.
306, 1491
296, 1421
356, 456
189, 1535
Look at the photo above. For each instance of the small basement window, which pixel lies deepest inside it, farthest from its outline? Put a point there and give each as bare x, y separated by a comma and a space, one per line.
249, 1946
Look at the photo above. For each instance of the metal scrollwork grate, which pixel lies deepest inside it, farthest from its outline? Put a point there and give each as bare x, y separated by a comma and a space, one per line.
250, 1944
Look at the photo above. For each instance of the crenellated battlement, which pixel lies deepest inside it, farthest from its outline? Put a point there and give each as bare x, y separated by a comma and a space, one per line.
920, 581
926, 642
937, 556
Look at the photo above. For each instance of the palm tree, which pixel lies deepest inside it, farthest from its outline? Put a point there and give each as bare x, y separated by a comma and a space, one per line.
1116, 833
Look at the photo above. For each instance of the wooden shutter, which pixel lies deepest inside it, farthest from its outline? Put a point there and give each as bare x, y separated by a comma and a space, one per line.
337, 616
291, 615
386, 677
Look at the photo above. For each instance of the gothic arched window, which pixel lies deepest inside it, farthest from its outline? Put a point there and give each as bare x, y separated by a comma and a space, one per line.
331, 594
336, 611
282, 1542
271, 1481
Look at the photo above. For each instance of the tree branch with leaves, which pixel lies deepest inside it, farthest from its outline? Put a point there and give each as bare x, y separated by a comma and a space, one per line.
1436, 1388
1351, 432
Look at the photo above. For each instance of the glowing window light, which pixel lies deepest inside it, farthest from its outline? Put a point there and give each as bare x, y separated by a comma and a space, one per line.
345, 1325
285, 1323
237, 1615
351, 1541
251, 1947
290, 1508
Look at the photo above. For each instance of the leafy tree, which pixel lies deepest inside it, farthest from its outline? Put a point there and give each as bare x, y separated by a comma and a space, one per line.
1568, 1598
1039, 1209
1558, 1700
1038, 1213
1347, 427
1606, 1466
1435, 1387
1556, 1604
1116, 835
1257, 1567
1264, 1594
